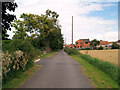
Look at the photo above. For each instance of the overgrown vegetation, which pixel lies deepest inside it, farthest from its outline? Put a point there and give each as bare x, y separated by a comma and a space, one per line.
19, 52
107, 67
21, 78
71, 51
99, 78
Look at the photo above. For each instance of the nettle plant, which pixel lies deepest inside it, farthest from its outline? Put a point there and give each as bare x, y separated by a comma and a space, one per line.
14, 62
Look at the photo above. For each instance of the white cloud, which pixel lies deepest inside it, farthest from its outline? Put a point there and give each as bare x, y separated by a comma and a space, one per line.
84, 26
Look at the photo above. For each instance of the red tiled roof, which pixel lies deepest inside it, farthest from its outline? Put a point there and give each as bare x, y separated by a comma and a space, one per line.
104, 42
110, 42
85, 40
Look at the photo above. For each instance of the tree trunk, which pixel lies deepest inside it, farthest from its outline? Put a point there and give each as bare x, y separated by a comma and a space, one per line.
47, 46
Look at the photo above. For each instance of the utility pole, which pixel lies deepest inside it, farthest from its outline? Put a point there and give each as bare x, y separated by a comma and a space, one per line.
72, 30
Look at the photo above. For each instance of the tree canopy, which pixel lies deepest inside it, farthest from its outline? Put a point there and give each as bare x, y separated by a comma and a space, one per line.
46, 27
7, 18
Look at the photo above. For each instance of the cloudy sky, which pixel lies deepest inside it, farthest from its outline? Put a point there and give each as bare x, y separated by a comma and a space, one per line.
95, 19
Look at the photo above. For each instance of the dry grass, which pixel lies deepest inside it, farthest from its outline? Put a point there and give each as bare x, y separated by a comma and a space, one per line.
105, 55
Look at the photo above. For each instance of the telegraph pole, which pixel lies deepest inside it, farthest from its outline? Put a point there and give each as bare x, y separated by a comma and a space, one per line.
72, 30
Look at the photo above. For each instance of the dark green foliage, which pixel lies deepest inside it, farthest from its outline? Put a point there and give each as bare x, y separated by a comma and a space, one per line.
119, 75
115, 46
14, 45
107, 67
47, 36
6, 45
18, 44
13, 64
25, 46
56, 40
100, 48
71, 51
7, 18
85, 49
39, 43
94, 43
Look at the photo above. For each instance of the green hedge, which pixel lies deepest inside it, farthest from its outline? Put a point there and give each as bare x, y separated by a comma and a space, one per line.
107, 67
9, 49
13, 64
22, 45
6, 44
71, 51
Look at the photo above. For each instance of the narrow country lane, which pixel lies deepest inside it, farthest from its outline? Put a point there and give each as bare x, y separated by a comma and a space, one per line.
59, 71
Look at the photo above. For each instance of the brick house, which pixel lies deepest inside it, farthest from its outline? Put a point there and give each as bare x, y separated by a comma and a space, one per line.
82, 43
105, 44
71, 46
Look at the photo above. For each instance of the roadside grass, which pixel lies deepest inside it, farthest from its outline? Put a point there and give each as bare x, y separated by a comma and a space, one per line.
100, 79
45, 55
18, 81
24, 76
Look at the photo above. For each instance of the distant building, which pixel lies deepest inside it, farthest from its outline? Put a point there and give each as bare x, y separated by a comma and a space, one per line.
71, 46
105, 44
82, 43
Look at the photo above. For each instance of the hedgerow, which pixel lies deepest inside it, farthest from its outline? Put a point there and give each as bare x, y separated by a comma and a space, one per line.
18, 55
109, 68
71, 51
12, 64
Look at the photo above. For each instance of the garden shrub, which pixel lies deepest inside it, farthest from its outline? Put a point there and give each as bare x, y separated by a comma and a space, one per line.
14, 45
12, 64
6, 44
15, 56
100, 48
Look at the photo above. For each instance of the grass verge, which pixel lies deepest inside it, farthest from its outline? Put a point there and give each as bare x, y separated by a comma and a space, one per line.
45, 55
100, 79
23, 76
48, 55
18, 81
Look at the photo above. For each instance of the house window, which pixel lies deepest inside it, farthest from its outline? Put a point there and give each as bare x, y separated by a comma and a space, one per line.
70, 47
81, 42
77, 43
86, 42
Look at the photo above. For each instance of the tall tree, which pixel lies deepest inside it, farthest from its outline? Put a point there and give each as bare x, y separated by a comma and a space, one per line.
41, 25
115, 46
20, 32
94, 43
7, 18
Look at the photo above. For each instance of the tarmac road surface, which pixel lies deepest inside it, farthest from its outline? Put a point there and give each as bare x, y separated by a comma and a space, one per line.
59, 71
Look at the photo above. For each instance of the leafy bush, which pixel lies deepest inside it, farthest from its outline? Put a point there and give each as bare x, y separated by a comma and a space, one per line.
22, 45
6, 44
12, 64
12, 46
11, 58
100, 48
72, 51
107, 67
